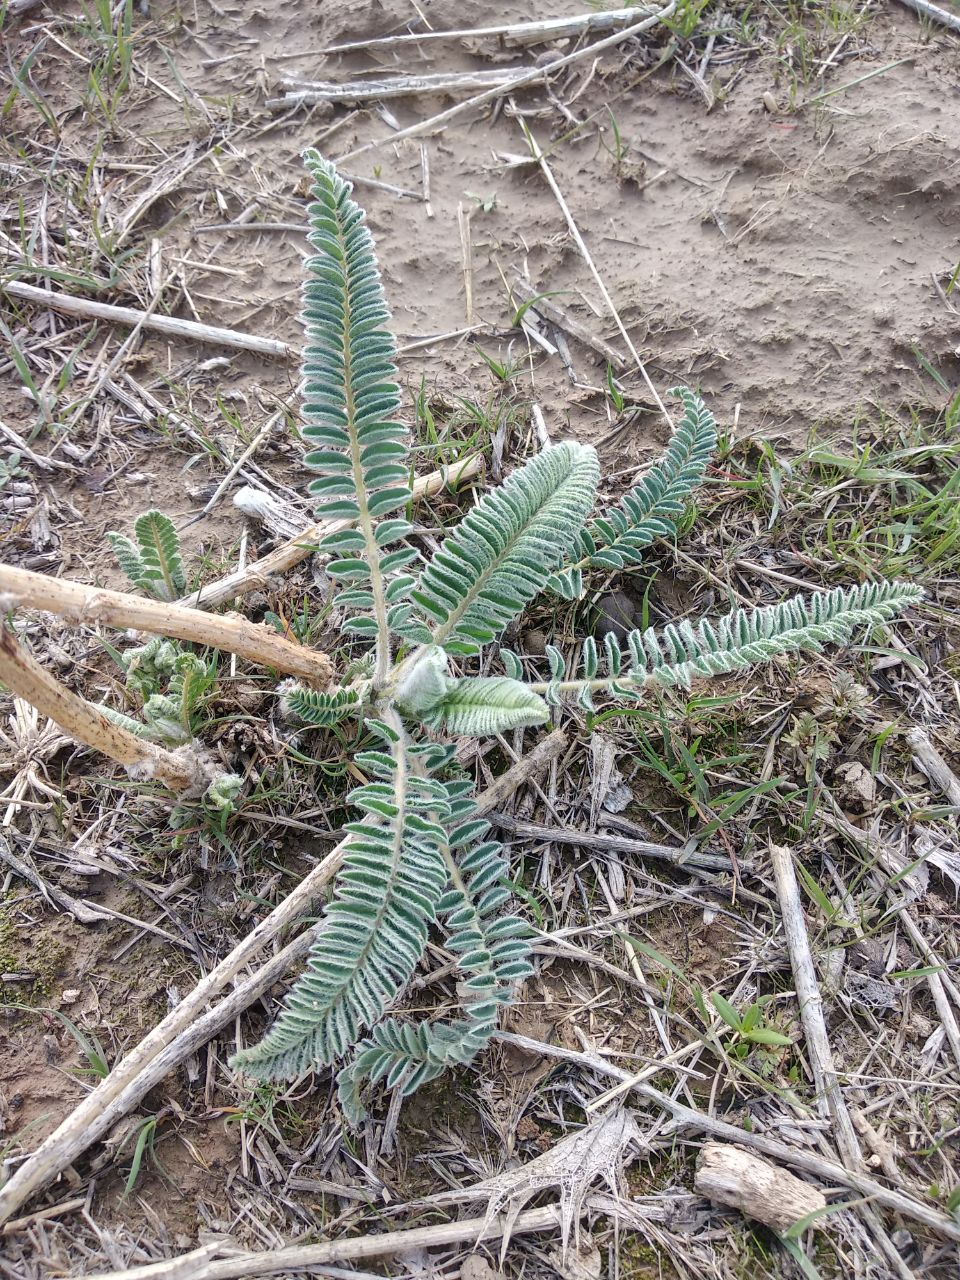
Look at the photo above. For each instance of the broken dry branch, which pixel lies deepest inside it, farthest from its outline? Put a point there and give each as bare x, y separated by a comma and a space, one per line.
930, 762
811, 1006
198, 1265
309, 92
759, 1189
522, 32
528, 77
23, 589
23, 676
304, 544
194, 1021
69, 304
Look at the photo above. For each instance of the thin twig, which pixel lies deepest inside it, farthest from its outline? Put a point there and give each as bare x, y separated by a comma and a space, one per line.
38, 459
83, 912
809, 999
604, 843
237, 466
71, 305
547, 172
936, 984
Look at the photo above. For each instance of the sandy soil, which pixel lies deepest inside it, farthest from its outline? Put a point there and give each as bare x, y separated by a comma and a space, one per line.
791, 264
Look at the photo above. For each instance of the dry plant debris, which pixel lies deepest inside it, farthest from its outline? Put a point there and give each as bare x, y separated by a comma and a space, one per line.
787, 248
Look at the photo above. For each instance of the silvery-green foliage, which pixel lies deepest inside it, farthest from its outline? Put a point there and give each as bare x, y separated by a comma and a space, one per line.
478, 706
651, 509
680, 653
321, 709
492, 953
376, 927
350, 406
419, 856
502, 553
223, 791
170, 681
153, 563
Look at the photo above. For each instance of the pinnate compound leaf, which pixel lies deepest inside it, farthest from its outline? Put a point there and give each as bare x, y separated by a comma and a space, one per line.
320, 709
159, 541
373, 932
652, 507
128, 557
500, 555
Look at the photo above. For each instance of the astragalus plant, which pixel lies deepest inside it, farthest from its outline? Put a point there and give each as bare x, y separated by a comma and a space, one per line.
417, 856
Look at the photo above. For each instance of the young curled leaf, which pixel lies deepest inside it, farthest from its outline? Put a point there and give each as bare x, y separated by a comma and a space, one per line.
480, 705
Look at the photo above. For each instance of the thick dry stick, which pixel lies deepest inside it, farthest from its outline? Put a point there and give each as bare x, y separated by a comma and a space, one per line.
301, 92
826, 1171
528, 77
756, 1187
305, 1257
528, 32
296, 549
193, 1022
71, 305
24, 677
23, 589
811, 1004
